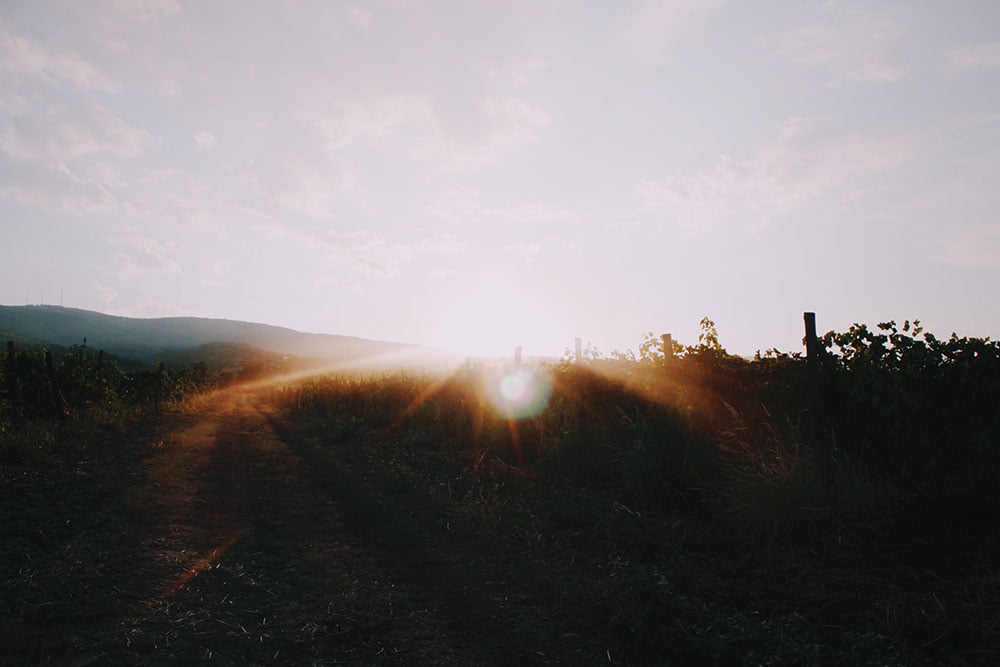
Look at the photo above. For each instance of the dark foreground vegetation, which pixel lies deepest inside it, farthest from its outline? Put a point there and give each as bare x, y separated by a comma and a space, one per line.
697, 509
53, 403
55, 400
712, 508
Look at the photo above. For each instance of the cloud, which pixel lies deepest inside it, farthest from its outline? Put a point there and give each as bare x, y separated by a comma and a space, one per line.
496, 125
62, 159
362, 18
973, 247
143, 10
108, 294
803, 163
205, 140
854, 44
530, 213
651, 31
525, 251
294, 165
374, 117
364, 252
145, 305
56, 189
976, 57
464, 205
171, 199
457, 204
58, 134
144, 256
438, 244
441, 273
24, 60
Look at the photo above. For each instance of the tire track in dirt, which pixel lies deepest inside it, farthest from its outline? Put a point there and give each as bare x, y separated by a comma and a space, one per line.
235, 540
478, 597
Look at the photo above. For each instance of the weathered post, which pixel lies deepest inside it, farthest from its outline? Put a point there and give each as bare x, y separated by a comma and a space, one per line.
815, 408
579, 350
517, 358
58, 407
668, 348
812, 364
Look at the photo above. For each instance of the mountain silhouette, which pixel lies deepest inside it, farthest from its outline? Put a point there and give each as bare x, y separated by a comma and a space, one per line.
147, 339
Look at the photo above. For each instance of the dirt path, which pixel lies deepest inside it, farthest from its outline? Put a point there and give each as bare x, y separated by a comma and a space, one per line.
233, 539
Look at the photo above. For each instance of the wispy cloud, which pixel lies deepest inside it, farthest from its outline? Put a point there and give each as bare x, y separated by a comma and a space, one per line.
855, 44
525, 251
364, 252
205, 140
144, 256
973, 247
107, 293
177, 201
55, 189
57, 134
498, 125
138, 301
465, 205
651, 31
362, 18
294, 165
143, 10
23, 60
530, 213
441, 273
976, 57
804, 162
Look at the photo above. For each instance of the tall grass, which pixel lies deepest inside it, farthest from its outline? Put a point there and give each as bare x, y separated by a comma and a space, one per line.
906, 426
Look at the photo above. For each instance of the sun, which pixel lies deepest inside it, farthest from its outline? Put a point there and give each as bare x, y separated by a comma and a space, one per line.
491, 315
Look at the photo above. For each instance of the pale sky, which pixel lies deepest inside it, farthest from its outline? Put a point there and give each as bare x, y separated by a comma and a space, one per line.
480, 175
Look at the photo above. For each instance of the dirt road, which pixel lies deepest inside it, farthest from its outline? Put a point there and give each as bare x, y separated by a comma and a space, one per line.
228, 537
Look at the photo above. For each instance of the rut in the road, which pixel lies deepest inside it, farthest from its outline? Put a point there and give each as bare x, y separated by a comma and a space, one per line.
283, 555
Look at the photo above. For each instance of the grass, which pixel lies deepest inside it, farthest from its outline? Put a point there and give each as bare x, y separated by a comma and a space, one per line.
685, 524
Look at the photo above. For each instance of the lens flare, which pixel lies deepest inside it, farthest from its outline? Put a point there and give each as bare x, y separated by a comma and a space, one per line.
523, 393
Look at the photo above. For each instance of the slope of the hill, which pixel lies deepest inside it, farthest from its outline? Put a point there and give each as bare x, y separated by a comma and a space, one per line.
150, 338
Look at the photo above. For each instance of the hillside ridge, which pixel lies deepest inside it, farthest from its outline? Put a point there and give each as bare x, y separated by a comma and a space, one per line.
144, 338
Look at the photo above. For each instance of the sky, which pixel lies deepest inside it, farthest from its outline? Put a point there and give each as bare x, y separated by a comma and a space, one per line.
479, 175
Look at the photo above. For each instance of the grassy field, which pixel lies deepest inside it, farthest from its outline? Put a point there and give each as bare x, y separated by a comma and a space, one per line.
705, 512
634, 510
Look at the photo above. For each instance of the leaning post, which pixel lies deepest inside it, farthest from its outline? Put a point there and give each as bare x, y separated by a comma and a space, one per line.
815, 407
668, 349
812, 363
579, 350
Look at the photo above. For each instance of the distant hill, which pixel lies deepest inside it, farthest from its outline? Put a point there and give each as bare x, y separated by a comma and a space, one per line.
166, 337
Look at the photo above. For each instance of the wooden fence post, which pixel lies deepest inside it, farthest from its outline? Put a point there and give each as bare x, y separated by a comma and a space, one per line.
517, 358
58, 406
814, 363
579, 350
668, 348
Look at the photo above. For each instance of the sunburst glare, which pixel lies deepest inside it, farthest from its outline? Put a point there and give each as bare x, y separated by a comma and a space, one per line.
522, 393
